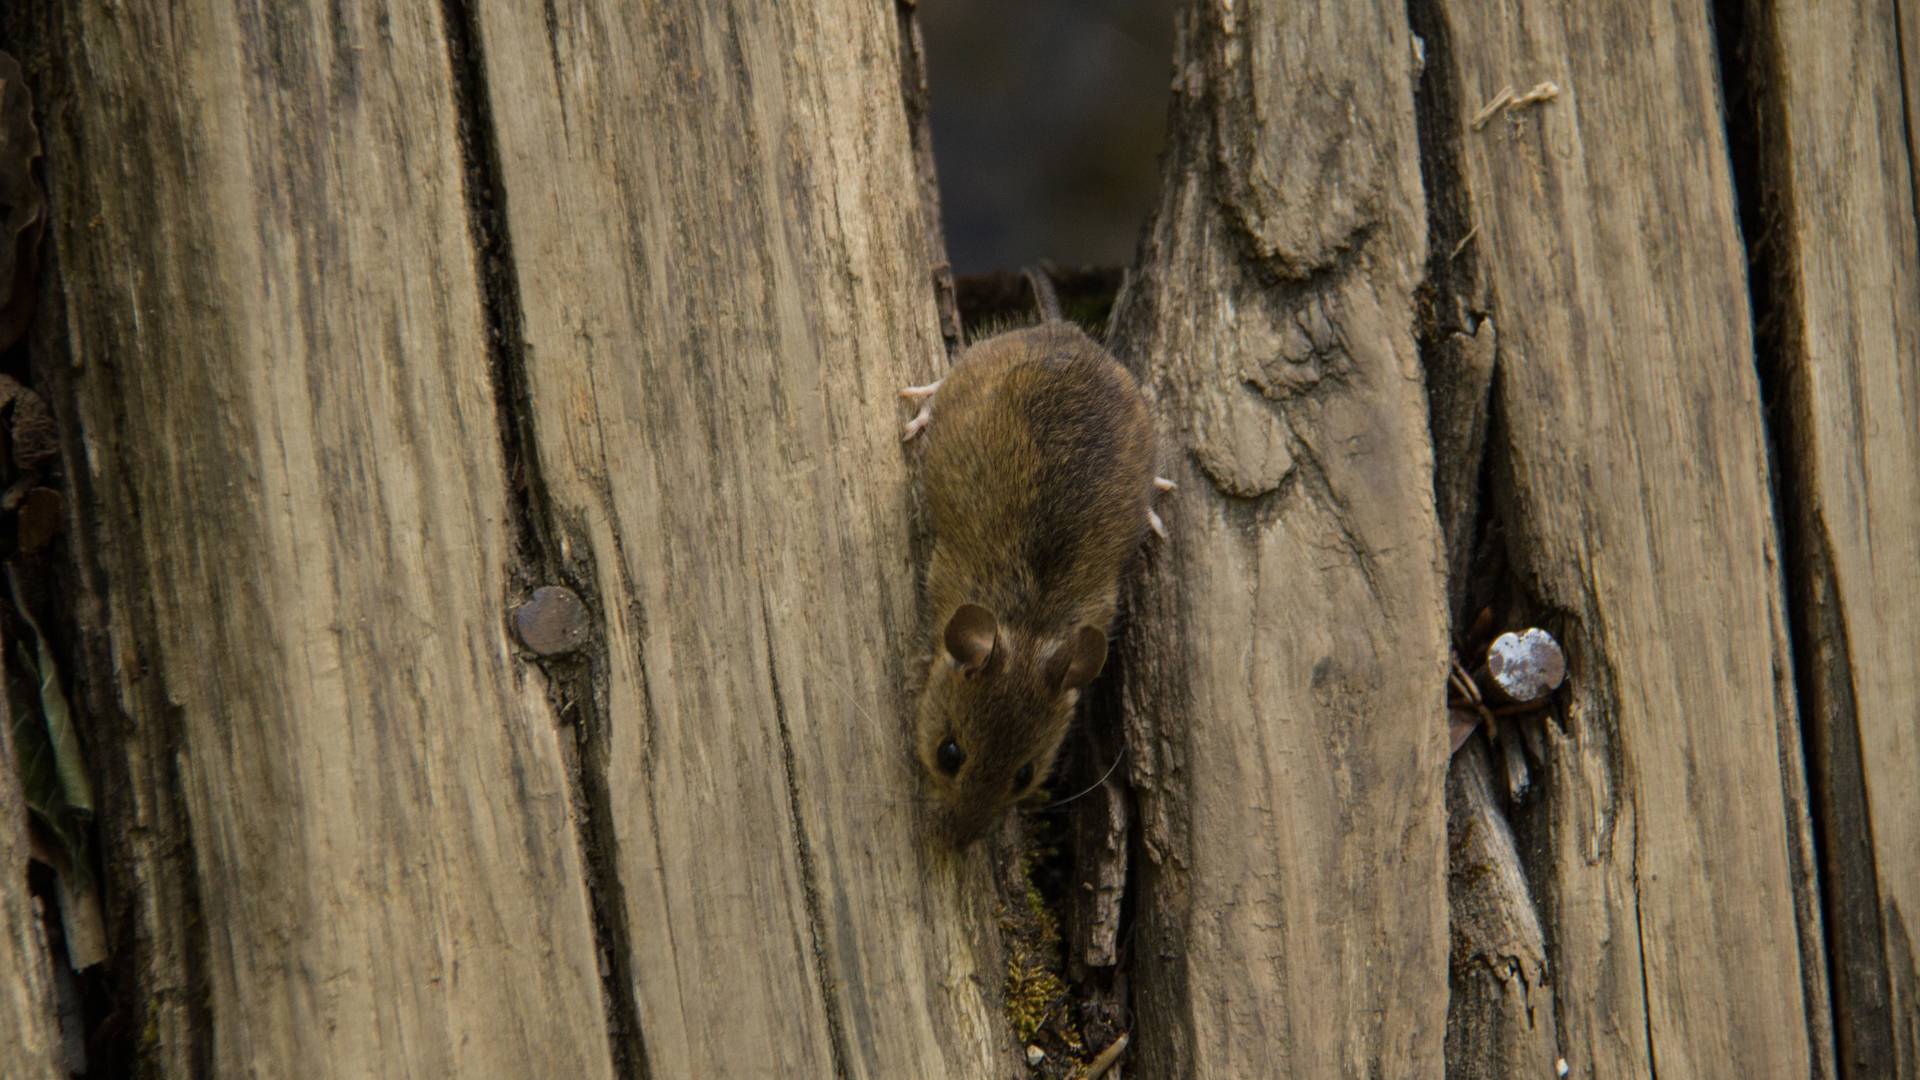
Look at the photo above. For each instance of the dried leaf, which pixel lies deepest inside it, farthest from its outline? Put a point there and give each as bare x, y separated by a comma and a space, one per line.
27, 423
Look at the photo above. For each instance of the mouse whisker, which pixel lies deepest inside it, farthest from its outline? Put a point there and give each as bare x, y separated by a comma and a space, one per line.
827, 677
1103, 779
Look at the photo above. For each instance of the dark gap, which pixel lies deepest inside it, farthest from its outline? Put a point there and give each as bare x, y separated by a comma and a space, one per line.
1906, 114
536, 556
1061, 835
1002, 298
916, 98
1450, 307
1750, 59
1048, 119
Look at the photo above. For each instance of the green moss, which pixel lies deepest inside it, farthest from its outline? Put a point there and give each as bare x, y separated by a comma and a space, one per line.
1039, 1002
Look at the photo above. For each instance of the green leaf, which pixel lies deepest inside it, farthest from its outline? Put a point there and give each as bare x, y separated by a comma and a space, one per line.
32, 754
62, 740
40, 782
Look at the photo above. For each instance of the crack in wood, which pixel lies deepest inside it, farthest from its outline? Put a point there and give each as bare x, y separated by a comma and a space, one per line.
1640, 950
538, 549
803, 847
1313, 472
1859, 1021
1906, 113
916, 100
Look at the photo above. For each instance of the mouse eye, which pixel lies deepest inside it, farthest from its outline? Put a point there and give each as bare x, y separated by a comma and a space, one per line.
950, 757
1024, 777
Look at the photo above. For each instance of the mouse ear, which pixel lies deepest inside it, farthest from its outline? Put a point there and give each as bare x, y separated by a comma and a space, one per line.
969, 637
1074, 664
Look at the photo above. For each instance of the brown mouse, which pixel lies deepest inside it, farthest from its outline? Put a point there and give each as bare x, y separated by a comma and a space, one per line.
1039, 482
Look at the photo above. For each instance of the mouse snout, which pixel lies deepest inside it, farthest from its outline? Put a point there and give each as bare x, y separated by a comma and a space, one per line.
963, 826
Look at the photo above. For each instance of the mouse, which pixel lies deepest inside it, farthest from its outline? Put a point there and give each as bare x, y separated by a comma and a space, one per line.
1038, 474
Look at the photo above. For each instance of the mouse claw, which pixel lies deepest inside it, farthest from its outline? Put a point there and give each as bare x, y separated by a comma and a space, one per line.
1161, 483
1159, 527
919, 422
923, 395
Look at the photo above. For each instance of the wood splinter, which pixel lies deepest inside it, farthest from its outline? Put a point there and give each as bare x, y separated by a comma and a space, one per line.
1506, 100
1099, 1065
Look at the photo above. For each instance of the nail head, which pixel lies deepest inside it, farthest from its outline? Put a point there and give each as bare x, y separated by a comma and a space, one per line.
552, 622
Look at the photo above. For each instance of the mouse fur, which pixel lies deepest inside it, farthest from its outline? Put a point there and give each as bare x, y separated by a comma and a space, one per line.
1038, 474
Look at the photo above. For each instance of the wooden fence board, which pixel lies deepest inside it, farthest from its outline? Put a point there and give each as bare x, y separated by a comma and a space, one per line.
344, 812
1837, 200
1633, 488
713, 405
1285, 665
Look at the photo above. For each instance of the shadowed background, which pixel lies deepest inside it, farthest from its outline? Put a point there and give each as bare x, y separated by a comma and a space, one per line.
1047, 124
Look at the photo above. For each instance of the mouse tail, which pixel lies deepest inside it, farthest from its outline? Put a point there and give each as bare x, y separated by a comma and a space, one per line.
1044, 297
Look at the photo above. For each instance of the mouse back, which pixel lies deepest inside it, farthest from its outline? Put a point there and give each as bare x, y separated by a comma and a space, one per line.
1038, 477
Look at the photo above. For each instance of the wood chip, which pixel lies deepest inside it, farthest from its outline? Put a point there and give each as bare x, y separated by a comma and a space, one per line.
1492, 108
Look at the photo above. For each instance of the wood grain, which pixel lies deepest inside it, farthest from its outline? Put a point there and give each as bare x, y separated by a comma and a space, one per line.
717, 433
1835, 186
342, 813
1286, 658
1632, 469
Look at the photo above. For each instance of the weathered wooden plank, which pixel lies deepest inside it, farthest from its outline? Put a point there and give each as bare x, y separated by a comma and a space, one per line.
342, 810
713, 407
29, 1047
1633, 490
1286, 657
1835, 175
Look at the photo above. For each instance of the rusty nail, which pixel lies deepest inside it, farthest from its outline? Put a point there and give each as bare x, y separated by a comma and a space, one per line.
553, 621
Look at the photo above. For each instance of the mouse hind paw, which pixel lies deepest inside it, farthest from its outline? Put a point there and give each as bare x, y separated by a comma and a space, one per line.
1159, 527
1161, 485
923, 395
